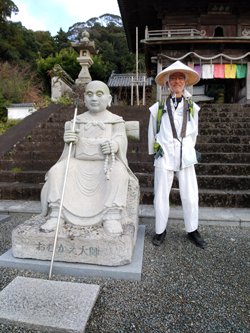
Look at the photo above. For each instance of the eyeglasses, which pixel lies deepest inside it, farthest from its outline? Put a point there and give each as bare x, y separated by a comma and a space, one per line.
174, 78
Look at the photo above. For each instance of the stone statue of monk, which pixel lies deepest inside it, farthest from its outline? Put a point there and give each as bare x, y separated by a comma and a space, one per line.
98, 175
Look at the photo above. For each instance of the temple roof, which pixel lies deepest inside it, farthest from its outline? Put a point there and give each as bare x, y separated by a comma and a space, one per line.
124, 80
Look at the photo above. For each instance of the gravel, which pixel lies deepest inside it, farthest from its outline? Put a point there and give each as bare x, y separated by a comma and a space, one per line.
183, 288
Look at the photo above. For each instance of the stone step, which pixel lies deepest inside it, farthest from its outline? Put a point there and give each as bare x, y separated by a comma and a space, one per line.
222, 114
210, 155
141, 167
225, 139
220, 147
223, 120
225, 125
22, 176
28, 165
139, 162
207, 198
225, 107
222, 169
223, 131
204, 181
142, 170
30, 156
217, 169
41, 146
20, 191
224, 157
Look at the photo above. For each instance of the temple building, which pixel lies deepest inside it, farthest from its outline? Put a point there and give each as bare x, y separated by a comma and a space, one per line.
209, 36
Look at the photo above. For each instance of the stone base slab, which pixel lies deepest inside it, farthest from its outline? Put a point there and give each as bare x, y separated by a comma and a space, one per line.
4, 218
89, 245
51, 306
131, 271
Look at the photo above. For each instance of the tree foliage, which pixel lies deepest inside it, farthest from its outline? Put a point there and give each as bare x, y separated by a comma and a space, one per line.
61, 40
7, 7
18, 84
66, 58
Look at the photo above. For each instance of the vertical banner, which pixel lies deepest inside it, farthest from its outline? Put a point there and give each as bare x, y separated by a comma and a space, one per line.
190, 88
248, 82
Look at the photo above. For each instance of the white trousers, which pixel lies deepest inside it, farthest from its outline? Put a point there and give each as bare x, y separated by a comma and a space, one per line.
189, 197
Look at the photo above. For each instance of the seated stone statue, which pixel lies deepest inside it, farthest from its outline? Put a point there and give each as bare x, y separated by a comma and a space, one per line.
98, 175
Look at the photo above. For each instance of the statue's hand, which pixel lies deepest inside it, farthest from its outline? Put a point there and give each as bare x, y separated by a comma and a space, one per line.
71, 136
109, 146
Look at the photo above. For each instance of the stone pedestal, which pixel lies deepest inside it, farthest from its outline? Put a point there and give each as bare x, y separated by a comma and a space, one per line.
84, 77
89, 245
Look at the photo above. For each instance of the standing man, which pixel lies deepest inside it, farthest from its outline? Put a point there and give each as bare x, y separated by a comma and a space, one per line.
172, 132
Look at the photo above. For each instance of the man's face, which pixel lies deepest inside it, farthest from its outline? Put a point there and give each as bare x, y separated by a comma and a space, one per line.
97, 96
177, 82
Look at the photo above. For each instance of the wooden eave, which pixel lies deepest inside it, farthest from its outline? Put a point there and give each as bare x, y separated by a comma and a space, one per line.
186, 40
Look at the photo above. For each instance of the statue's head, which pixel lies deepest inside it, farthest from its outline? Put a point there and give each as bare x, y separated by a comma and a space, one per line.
97, 96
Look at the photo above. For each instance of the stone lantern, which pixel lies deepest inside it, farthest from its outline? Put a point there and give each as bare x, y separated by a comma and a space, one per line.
85, 48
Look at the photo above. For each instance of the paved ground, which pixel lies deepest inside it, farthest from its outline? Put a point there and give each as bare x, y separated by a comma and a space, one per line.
183, 288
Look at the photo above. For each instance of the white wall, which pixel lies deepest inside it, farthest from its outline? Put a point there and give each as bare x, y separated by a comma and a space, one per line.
19, 112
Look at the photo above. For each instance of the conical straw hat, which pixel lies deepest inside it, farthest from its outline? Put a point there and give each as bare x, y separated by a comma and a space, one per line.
192, 76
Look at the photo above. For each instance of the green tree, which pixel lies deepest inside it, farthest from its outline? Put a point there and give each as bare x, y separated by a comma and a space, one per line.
19, 44
10, 35
61, 40
47, 43
10, 39
7, 7
18, 84
65, 58
100, 69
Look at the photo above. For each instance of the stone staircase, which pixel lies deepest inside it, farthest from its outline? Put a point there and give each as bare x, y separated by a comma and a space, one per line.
223, 176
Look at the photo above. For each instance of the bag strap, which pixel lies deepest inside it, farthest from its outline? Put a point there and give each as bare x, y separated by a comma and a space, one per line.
184, 123
161, 111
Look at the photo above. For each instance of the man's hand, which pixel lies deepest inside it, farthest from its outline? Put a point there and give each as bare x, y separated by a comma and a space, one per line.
71, 136
108, 146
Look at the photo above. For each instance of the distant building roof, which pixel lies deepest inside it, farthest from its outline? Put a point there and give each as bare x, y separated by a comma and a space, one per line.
124, 80
21, 105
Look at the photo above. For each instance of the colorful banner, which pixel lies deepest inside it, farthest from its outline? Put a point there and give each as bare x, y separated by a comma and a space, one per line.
208, 71
219, 71
198, 69
230, 71
241, 71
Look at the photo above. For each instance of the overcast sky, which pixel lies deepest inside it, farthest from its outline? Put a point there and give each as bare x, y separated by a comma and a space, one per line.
52, 15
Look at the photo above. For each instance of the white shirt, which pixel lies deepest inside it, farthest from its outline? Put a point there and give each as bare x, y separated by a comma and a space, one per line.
171, 146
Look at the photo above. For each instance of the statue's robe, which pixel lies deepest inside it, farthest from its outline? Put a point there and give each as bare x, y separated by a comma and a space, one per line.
89, 197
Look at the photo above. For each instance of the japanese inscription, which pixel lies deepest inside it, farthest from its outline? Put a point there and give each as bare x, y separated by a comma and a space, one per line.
220, 8
83, 251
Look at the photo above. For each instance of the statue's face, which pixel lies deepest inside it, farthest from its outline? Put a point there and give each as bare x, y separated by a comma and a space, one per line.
97, 96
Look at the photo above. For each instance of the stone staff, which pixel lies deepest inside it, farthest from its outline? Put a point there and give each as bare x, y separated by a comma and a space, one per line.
64, 185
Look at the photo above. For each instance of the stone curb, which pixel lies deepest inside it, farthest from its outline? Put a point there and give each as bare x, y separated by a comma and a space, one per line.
239, 217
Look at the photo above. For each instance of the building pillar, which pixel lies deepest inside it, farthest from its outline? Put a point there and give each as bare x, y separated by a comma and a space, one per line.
248, 84
158, 87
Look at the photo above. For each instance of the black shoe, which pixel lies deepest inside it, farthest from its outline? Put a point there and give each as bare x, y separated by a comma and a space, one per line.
159, 238
196, 238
